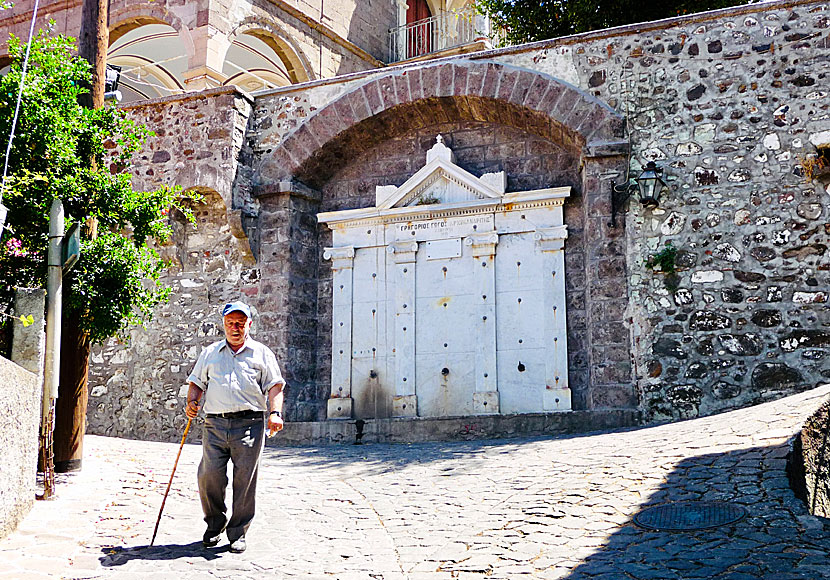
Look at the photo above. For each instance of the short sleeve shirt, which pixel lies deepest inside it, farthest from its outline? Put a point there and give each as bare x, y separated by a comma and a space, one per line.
236, 381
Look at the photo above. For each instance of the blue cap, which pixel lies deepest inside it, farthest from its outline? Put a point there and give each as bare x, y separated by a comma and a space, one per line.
236, 307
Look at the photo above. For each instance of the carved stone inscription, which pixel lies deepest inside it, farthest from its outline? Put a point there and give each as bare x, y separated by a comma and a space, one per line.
444, 228
453, 307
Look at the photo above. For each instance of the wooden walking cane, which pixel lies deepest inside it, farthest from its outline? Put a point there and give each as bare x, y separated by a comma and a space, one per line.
169, 483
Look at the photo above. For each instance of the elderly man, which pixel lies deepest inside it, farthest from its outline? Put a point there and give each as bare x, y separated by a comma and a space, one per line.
239, 379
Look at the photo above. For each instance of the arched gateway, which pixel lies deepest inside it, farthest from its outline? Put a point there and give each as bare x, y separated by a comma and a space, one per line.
445, 275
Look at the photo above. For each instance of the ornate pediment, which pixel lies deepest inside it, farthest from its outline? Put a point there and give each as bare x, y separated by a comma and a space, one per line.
442, 189
441, 181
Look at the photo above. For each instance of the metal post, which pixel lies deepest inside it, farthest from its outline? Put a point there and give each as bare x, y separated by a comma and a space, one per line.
51, 371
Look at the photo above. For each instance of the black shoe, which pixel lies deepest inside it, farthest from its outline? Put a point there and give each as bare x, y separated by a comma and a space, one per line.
210, 539
238, 545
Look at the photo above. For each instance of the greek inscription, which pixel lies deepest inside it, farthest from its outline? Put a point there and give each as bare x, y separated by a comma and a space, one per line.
445, 223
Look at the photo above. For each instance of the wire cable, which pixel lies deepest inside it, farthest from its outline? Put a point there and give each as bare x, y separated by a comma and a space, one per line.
19, 98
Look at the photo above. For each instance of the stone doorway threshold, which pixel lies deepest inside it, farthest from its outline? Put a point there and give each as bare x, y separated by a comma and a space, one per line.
419, 429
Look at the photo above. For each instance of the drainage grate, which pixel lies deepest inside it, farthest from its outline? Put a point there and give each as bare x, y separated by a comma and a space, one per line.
684, 516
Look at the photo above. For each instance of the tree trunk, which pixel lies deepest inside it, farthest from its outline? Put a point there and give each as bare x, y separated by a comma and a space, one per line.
70, 408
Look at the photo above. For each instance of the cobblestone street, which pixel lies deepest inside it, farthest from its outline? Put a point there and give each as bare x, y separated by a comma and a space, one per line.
514, 508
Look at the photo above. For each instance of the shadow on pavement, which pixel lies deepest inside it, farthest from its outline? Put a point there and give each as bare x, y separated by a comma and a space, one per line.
378, 458
777, 540
118, 555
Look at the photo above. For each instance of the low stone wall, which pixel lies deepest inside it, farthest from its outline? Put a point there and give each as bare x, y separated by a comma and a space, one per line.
809, 463
19, 417
418, 429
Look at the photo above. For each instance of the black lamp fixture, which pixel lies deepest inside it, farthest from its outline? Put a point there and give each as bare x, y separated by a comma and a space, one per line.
650, 185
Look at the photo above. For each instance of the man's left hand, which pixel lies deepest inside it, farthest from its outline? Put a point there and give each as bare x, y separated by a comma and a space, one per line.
275, 424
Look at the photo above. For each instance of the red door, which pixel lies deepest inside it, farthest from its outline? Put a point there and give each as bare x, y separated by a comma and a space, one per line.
419, 34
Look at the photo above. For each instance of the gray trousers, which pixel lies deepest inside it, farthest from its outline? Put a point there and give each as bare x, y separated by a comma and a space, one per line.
241, 441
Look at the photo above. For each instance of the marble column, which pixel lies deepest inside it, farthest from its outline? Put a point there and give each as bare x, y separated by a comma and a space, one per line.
342, 265
404, 402
557, 396
483, 249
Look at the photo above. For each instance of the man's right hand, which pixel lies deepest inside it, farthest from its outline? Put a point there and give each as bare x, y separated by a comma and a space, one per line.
192, 409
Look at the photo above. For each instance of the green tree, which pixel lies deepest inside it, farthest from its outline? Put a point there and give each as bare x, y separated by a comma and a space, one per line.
82, 157
531, 20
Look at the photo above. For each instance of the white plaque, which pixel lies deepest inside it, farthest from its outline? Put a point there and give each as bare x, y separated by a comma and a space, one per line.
443, 249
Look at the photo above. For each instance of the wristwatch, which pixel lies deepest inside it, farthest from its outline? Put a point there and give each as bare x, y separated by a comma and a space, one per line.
277, 413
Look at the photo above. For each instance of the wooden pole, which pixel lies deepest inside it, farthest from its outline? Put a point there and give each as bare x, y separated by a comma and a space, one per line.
169, 483
93, 44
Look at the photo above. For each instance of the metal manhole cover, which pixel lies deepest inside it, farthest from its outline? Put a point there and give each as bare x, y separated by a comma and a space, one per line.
692, 515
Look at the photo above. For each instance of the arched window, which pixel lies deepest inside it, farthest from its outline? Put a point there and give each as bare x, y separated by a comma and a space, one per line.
252, 64
152, 58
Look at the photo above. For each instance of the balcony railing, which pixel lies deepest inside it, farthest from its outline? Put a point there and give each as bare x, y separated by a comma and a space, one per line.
443, 31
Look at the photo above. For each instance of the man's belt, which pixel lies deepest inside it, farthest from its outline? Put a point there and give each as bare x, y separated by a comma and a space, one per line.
238, 415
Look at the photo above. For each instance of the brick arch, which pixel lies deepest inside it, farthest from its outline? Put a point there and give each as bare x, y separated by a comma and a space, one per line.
129, 18
393, 104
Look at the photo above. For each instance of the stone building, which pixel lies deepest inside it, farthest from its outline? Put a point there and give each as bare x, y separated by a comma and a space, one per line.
169, 48
732, 107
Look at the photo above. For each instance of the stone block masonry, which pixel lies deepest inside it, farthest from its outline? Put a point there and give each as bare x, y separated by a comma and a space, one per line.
20, 409
731, 104
137, 386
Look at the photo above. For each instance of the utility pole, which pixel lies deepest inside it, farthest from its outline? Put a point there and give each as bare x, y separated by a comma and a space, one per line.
70, 409
93, 44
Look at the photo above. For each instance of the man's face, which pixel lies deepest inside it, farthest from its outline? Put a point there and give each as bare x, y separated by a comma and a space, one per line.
237, 326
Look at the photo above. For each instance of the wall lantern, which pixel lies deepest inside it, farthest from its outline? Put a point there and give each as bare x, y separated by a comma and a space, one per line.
650, 184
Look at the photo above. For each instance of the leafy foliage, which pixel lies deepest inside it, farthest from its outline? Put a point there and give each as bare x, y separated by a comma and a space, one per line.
82, 157
664, 259
531, 20
665, 262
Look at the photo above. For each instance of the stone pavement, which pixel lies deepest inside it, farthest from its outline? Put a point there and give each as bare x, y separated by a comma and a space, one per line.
513, 508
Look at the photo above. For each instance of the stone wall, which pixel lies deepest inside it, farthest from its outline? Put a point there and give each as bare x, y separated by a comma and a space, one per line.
138, 383
808, 464
730, 103
20, 410
196, 143
20, 417
288, 293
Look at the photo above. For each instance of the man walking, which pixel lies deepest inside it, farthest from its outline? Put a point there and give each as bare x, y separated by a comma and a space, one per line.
240, 379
